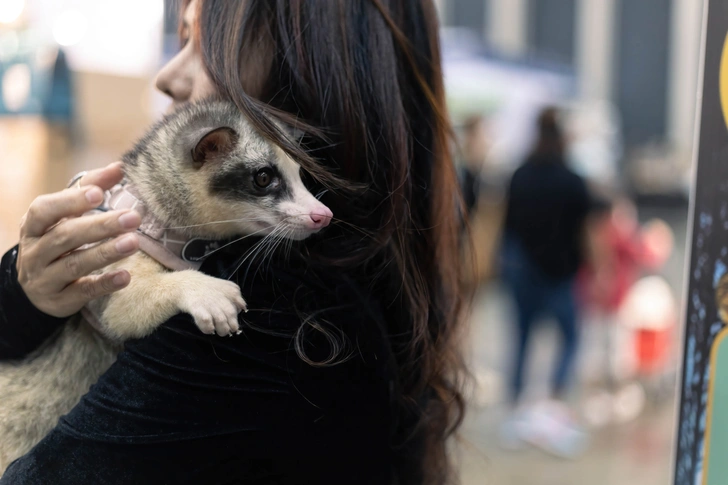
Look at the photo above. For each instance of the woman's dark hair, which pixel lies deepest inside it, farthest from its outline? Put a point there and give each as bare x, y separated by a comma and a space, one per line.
550, 143
363, 79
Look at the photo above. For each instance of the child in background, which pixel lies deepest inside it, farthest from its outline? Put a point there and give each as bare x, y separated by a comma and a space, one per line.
622, 251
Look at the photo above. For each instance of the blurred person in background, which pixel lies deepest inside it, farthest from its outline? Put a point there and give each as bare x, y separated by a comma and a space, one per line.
475, 220
543, 248
623, 250
368, 392
474, 152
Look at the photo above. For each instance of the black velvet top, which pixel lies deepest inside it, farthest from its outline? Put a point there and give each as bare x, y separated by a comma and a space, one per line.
546, 210
182, 407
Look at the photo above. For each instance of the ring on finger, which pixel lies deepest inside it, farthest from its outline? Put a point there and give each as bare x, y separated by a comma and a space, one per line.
75, 182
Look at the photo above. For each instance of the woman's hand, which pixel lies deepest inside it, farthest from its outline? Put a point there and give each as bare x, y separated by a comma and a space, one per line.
55, 278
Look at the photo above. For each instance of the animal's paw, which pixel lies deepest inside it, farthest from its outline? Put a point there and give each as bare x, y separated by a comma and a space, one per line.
215, 306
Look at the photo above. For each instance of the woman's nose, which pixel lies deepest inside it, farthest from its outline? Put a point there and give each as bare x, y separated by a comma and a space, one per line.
175, 88
174, 82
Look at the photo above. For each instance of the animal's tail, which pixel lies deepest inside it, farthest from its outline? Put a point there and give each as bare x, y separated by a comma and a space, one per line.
37, 391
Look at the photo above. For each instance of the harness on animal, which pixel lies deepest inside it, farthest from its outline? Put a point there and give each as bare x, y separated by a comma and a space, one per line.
171, 247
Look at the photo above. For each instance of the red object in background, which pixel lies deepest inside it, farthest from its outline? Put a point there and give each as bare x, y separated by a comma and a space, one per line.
652, 348
605, 288
616, 287
628, 251
657, 242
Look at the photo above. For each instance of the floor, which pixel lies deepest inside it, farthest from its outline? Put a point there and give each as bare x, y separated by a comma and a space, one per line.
638, 452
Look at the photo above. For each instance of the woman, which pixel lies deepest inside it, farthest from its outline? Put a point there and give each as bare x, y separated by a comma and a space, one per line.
347, 371
545, 231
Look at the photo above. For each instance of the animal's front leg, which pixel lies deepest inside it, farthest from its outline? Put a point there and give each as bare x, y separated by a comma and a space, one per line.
213, 303
154, 295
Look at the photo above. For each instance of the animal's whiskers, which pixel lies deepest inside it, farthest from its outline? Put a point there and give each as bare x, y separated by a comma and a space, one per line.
279, 235
259, 247
235, 241
261, 250
226, 221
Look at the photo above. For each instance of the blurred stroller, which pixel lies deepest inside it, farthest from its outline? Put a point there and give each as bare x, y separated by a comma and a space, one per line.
631, 308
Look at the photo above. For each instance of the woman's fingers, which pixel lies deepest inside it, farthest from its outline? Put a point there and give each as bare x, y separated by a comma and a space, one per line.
47, 210
78, 264
105, 177
74, 233
53, 274
88, 288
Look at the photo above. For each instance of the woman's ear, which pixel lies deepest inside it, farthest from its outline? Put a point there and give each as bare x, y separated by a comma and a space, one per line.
214, 145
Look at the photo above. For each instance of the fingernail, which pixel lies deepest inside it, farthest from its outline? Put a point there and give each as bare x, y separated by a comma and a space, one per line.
94, 195
126, 245
130, 220
119, 279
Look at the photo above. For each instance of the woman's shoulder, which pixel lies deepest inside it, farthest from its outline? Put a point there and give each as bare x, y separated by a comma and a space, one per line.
327, 325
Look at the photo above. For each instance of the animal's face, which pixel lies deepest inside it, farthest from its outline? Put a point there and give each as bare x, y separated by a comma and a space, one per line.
254, 185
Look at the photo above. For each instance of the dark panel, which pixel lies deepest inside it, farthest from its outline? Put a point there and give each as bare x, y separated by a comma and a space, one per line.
705, 318
641, 68
552, 29
470, 14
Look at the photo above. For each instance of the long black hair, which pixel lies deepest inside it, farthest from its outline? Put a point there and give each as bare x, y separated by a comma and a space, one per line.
550, 141
363, 78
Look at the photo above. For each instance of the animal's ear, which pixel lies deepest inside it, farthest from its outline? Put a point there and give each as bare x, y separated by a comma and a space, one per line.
215, 144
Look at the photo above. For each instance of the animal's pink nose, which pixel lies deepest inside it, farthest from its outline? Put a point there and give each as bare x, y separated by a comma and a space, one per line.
321, 217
